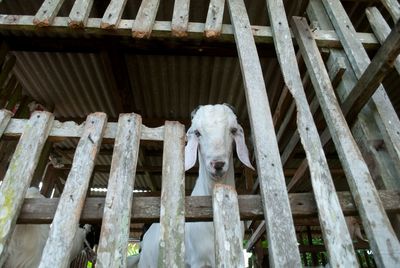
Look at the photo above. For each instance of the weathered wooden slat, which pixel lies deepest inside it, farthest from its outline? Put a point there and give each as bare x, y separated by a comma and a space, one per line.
215, 14
380, 28
144, 22
393, 7
112, 15
256, 236
73, 130
5, 117
118, 204
47, 12
6, 69
20, 172
282, 241
180, 18
333, 226
172, 211
56, 254
374, 74
198, 208
382, 239
80, 13
336, 71
359, 60
228, 234
162, 29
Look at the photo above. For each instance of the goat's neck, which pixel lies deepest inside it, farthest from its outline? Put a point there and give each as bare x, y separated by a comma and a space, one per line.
205, 184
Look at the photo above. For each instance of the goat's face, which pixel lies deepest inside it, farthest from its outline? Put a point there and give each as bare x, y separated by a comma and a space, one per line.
213, 131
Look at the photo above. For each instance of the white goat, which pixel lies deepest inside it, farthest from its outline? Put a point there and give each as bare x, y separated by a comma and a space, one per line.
213, 131
28, 241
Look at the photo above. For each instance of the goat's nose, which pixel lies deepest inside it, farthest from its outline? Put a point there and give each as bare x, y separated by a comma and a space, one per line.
218, 165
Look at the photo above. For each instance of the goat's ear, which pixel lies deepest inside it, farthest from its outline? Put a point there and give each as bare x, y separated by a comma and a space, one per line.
241, 148
191, 150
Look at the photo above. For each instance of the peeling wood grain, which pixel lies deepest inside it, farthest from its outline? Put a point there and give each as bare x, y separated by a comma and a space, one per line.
118, 204
180, 18
382, 239
172, 211
57, 251
112, 15
79, 14
228, 233
47, 12
144, 22
19, 174
283, 248
215, 15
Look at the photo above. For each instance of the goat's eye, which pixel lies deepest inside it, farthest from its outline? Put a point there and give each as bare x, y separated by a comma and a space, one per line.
197, 133
234, 130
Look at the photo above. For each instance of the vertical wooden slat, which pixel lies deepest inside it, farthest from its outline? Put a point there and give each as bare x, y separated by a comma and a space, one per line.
359, 60
117, 209
215, 15
80, 13
20, 172
113, 14
145, 18
47, 12
228, 234
57, 251
393, 7
333, 225
5, 117
380, 28
283, 248
6, 69
382, 239
172, 213
180, 18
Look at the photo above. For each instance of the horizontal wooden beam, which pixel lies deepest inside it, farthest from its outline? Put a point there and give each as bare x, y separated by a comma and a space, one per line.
162, 29
198, 208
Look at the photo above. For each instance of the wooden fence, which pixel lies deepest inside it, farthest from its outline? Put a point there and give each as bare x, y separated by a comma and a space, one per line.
275, 206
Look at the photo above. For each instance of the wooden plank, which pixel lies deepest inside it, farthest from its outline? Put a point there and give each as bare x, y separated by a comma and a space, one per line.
393, 7
215, 15
47, 12
374, 74
112, 15
19, 174
336, 237
199, 208
180, 18
71, 129
359, 60
5, 117
227, 228
172, 211
380, 233
79, 14
380, 28
144, 22
118, 204
282, 241
337, 71
56, 254
162, 29
6, 69
256, 236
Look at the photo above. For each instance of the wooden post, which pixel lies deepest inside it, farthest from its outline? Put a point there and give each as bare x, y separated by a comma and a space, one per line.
117, 210
145, 18
19, 174
57, 251
214, 19
283, 248
228, 233
80, 13
180, 18
382, 239
113, 14
172, 211
47, 12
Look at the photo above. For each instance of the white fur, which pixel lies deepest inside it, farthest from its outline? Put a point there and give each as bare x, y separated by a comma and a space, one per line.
215, 124
28, 240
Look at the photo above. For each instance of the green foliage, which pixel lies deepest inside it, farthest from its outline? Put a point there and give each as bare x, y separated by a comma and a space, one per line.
133, 249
